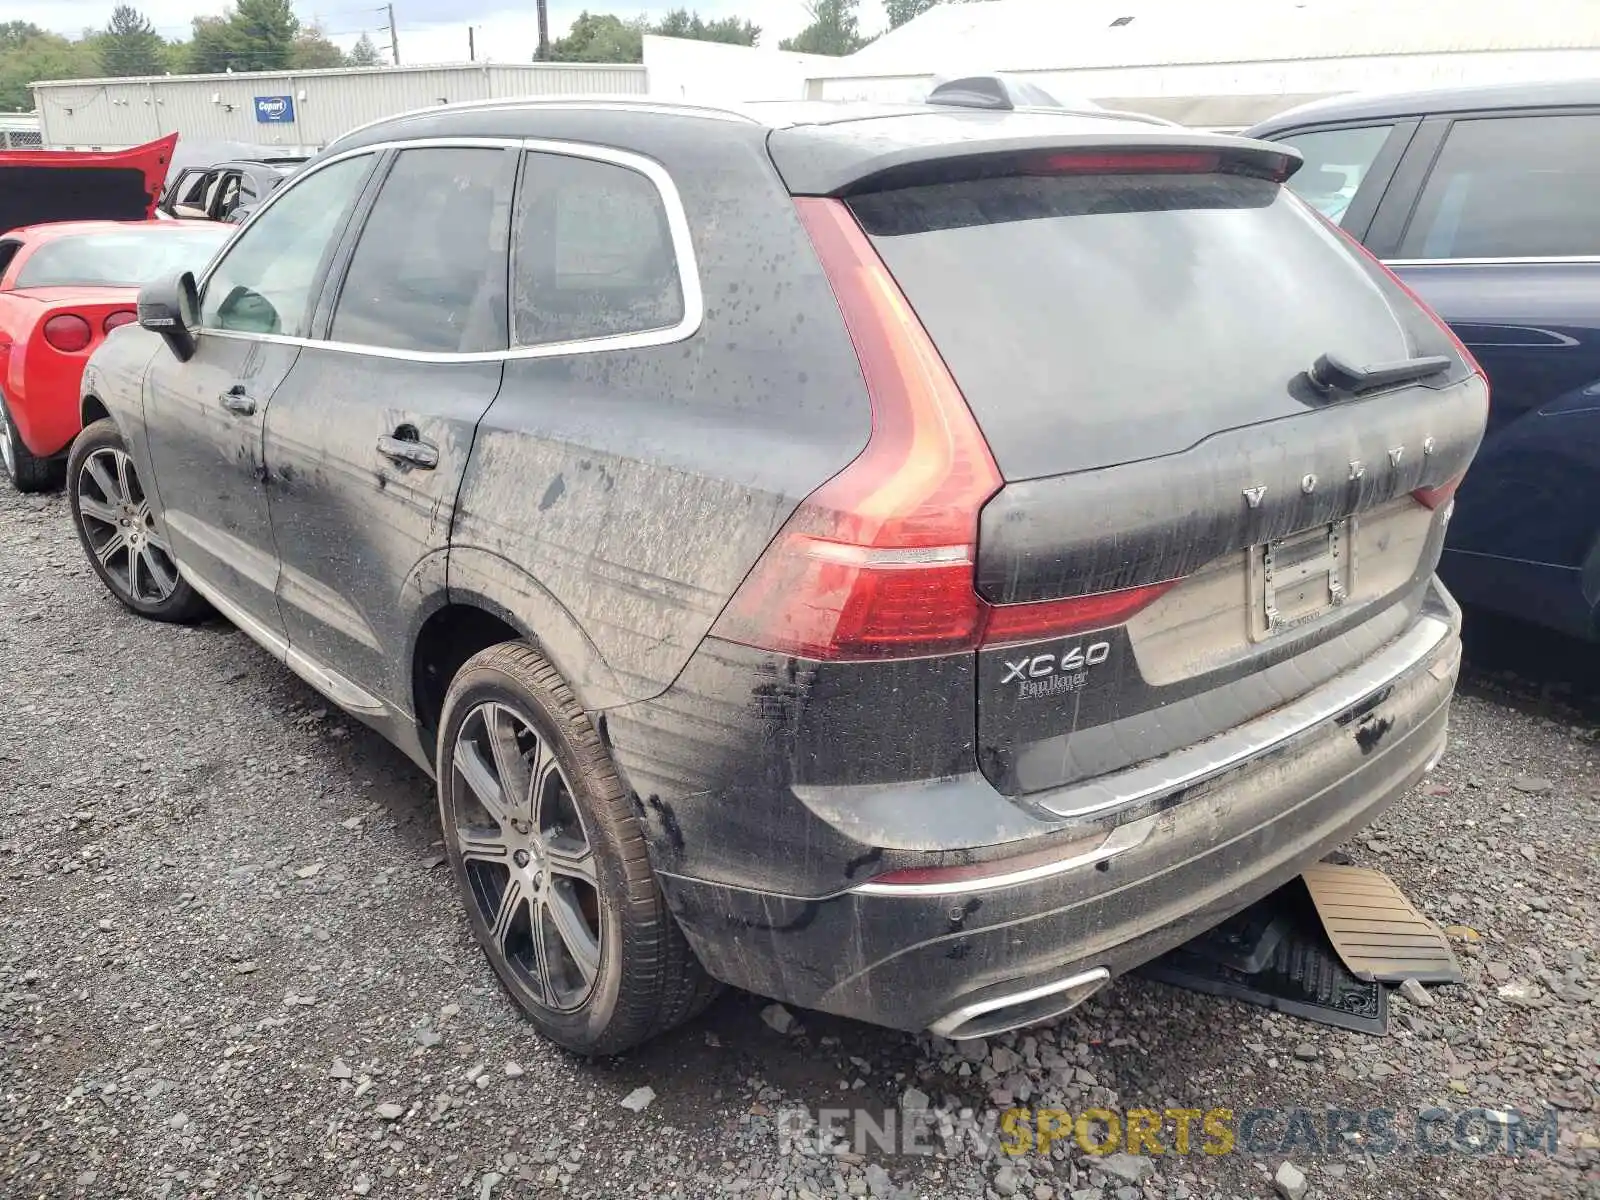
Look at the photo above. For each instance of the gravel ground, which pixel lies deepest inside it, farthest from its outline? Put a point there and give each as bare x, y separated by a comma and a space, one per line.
232, 965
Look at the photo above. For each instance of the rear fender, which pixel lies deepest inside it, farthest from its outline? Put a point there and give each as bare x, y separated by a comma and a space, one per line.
486, 580
47, 408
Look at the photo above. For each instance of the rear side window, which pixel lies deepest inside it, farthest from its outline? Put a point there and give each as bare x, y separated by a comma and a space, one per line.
1337, 160
429, 273
1511, 187
593, 253
1096, 320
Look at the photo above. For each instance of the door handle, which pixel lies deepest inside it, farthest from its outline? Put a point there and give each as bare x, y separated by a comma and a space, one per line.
235, 400
409, 451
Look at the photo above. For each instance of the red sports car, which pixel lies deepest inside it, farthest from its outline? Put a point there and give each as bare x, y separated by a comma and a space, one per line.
63, 288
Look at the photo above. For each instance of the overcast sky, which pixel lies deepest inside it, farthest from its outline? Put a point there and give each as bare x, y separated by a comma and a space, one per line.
436, 30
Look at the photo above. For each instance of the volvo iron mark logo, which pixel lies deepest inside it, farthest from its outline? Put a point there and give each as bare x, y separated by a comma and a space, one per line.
1253, 496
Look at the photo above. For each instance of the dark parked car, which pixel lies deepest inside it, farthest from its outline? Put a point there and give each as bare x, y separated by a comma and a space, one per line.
1484, 200
916, 563
226, 191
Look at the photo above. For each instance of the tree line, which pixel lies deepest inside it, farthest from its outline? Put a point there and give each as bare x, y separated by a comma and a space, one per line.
265, 35
835, 28
254, 35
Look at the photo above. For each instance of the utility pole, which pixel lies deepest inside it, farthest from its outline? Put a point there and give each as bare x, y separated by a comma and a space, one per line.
472, 49
544, 32
394, 37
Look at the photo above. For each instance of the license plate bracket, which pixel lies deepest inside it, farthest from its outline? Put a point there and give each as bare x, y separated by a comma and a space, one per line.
1300, 578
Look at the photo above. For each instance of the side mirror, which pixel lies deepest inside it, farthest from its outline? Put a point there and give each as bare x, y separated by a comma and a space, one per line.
171, 307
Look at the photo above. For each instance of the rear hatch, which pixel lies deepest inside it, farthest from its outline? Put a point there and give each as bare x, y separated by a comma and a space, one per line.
67, 185
1135, 331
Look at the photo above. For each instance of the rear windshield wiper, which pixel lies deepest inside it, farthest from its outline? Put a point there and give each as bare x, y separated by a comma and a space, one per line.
1331, 373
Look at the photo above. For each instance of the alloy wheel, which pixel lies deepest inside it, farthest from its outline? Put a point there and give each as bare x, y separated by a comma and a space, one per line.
531, 870
120, 528
8, 449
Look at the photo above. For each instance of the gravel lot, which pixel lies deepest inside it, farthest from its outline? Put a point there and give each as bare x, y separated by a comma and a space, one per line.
232, 965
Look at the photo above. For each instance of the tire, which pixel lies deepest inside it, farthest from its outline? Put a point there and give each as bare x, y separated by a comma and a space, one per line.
572, 867
26, 471
116, 525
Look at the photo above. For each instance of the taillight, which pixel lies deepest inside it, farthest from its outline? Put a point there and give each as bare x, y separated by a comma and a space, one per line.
1436, 497
68, 332
118, 319
878, 562
1051, 618
1126, 163
1274, 167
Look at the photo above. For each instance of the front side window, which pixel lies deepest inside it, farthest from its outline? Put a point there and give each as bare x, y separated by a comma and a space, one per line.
1337, 160
429, 273
593, 254
1511, 187
265, 281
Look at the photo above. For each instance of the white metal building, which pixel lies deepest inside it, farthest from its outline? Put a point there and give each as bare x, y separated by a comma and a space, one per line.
295, 111
1228, 63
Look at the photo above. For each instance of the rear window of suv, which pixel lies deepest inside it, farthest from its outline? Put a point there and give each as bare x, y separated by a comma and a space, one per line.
1095, 320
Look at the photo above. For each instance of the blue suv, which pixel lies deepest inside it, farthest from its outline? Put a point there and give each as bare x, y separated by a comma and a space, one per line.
1486, 202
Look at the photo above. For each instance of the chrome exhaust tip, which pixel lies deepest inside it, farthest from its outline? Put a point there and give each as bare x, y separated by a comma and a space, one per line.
984, 1018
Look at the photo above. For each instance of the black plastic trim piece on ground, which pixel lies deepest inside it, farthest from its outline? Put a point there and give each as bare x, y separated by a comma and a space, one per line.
1275, 954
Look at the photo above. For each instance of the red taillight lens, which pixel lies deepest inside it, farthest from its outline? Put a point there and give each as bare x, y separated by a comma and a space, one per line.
1051, 618
1127, 163
878, 562
1436, 497
68, 332
118, 319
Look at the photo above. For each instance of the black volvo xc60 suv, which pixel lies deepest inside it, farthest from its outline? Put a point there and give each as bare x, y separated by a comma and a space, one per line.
916, 562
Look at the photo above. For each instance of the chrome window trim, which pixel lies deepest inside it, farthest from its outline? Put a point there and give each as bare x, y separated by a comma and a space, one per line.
1510, 261
677, 225
684, 260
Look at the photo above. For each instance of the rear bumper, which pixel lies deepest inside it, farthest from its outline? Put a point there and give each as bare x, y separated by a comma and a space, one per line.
1024, 939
